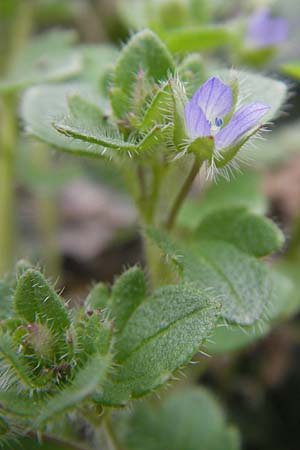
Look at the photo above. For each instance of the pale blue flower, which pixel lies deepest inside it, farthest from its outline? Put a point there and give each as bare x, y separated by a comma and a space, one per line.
206, 111
265, 31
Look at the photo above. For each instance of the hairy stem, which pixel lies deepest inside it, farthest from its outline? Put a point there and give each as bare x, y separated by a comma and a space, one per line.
183, 193
44, 437
110, 433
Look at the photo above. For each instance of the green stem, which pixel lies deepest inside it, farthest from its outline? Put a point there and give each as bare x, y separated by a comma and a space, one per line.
47, 217
110, 433
183, 193
7, 156
8, 141
44, 437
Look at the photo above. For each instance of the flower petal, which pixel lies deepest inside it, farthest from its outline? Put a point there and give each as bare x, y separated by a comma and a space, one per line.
265, 30
245, 119
196, 123
214, 98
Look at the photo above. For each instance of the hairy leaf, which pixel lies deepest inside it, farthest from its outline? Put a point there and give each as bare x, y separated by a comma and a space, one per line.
144, 56
14, 367
86, 383
258, 88
36, 300
42, 105
161, 336
249, 232
127, 293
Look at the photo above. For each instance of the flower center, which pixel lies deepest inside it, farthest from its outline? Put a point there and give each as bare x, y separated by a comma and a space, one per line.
216, 125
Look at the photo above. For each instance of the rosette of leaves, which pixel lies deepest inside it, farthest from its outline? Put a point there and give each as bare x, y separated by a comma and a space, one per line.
124, 343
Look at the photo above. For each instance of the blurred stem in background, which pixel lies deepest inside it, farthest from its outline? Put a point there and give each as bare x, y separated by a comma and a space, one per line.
18, 36
47, 217
7, 158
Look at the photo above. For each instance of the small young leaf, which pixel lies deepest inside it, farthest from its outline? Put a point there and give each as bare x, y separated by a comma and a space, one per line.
14, 368
249, 232
144, 53
36, 300
86, 383
98, 297
93, 133
127, 293
93, 334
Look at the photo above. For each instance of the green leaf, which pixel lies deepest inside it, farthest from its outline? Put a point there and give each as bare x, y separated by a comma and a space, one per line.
93, 334
20, 404
192, 73
158, 108
189, 419
249, 232
284, 301
243, 191
98, 297
162, 335
84, 110
36, 300
86, 383
6, 297
127, 293
43, 105
144, 54
240, 282
14, 367
97, 59
46, 58
258, 88
196, 38
92, 133
292, 69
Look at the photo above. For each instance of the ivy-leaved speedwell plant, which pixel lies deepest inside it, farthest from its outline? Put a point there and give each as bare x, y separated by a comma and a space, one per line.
158, 120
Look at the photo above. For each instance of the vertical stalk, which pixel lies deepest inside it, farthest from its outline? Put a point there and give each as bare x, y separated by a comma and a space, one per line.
110, 433
183, 193
8, 140
47, 214
7, 156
